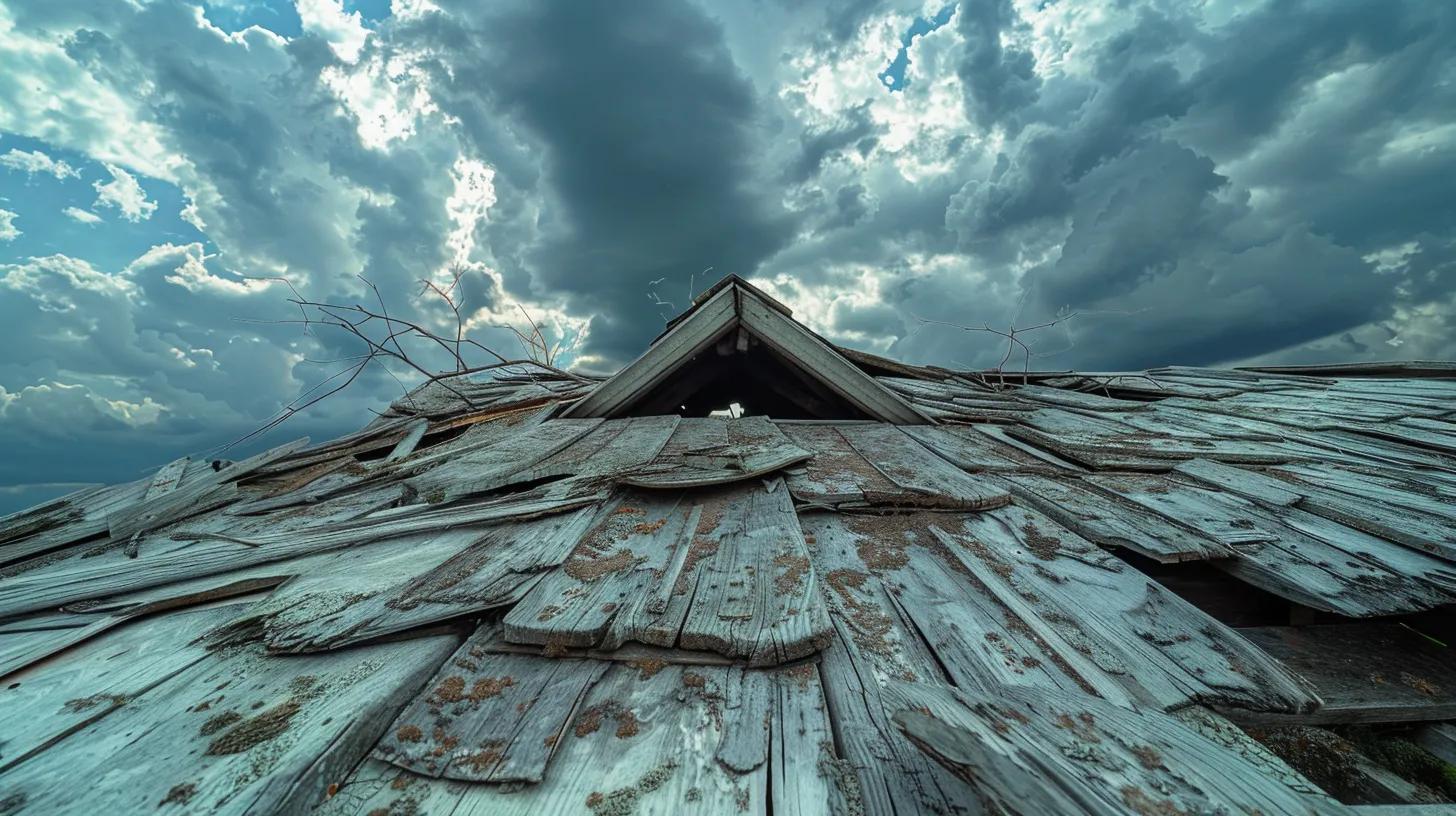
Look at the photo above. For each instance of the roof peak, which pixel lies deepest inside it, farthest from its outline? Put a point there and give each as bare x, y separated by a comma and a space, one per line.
736, 338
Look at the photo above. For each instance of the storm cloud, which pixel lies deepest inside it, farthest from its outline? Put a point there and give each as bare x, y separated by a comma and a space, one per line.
1201, 184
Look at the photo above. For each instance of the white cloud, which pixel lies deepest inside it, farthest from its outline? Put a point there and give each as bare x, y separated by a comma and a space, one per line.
344, 31
37, 162
473, 196
8, 230
84, 216
47, 95
73, 407
125, 194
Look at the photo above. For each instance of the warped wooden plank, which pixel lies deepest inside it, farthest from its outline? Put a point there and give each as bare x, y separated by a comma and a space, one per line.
496, 568
1111, 521
937, 615
389, 586
837, 473
24, 645
45, 704
1076, 399
1073, 424
414, 432
1040, 751
1427, 497
331, 481
1165, 650
611, 450
489, 717
233, 733
205, 492
478, 435
1243, 481
1004, 435
757, 594
83, 518
1200, 510
1365, 672
876, 766
971, 450
1388, 517
1411, 563
495, 466
915, 470
1142, 451
616, 567
1271, 555
642, 742
163, 560
47, 514
166, 479
706, 451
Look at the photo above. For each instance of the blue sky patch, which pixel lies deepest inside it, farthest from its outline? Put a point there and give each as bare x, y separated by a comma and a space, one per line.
281, 16
894, 76
40, 201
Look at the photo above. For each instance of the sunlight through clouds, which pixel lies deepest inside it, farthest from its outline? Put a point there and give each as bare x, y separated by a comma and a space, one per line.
1205, 183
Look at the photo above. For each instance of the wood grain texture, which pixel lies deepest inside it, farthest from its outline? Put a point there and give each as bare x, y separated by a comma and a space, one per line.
1040, 751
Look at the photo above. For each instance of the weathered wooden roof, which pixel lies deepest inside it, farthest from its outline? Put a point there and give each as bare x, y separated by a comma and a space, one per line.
483, 607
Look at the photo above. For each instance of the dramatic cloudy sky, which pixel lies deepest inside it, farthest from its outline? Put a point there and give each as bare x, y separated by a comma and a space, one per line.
1200, 182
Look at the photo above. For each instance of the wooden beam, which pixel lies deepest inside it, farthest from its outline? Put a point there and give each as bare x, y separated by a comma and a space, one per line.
806, 349
1364, 672
700, 330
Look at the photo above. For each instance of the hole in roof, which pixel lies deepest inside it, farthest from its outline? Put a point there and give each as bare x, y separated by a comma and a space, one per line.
740, 370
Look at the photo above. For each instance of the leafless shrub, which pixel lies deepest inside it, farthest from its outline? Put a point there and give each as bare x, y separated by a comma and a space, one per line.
1015, 341
387, 340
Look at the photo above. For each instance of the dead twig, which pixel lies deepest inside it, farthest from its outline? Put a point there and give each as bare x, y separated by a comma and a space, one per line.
1014, 342
385, 337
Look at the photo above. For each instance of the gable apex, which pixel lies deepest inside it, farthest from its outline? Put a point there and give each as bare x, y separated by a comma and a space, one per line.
736, 336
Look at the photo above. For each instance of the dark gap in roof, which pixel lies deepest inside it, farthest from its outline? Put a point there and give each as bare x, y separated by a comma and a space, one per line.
1354, 763
740, 369
1438, 623
429, 440
501, 492
1223, 597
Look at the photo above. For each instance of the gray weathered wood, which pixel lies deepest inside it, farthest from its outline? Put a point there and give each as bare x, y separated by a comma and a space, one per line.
489, 717
757, 594
1040, 751
915, 470
233, 733
408, 581
707, 451
1365, 672
1111, 521
876, 768
1162, 648
495, 466
1274, 556
623, 752
167, 479
44, 704
197, 495
968, 449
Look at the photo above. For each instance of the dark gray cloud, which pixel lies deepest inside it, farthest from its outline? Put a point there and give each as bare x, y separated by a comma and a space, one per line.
1201, 184
999, 79
644, 128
